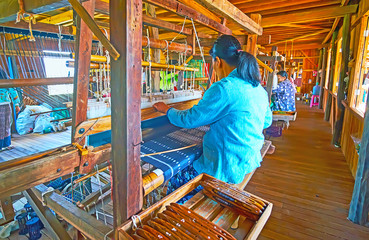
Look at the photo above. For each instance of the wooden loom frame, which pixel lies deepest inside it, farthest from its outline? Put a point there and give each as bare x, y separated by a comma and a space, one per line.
30, 172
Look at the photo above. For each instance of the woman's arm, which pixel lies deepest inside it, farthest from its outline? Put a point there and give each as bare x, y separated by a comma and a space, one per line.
212, 107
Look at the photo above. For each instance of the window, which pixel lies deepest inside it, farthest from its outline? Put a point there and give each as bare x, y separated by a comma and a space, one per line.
56, 67
328, 68
361, 92
337, 66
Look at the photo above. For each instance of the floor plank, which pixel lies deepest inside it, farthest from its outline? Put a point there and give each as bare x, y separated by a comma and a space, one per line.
308, 181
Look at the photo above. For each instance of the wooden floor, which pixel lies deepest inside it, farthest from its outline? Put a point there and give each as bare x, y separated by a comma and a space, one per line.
25, 145
308, 182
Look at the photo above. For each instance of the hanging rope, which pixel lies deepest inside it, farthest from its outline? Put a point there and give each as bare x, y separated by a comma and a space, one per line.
22, 14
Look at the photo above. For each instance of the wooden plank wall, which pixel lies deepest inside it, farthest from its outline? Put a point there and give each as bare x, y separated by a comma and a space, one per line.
353, 125
308, 68
354, 121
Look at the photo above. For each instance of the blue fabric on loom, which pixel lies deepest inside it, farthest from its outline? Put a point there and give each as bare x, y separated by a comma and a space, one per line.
237, 113
159, 135
174, 162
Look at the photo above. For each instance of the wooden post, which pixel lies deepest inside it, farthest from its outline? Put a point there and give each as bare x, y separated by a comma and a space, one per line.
346, 33
253, 38
82, 68
358, 212
126, 35
331, 74
6, 210
154, 33
319, 65
323, 76
272, 64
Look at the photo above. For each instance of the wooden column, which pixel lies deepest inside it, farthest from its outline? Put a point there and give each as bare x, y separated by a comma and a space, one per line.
253, 38
126, 75
323, 76
272, 64
154, 33
331, 74
82, 68
358, 212
318, 76
346, 33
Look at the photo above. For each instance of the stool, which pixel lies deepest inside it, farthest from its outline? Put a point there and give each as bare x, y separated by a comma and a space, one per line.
22, 219
33, 226
312, 100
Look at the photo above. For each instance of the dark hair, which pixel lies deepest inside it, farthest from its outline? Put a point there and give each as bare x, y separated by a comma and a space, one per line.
283, 74
3, 74
228, 48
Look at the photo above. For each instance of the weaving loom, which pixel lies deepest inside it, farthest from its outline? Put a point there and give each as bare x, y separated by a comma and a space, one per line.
159, 135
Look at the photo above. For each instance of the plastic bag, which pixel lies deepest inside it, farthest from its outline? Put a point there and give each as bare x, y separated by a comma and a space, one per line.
43, 124
25, 122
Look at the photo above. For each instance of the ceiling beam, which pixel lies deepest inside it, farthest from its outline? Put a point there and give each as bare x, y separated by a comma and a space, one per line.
309, 15
315, 45
9, 8
183, 10
41, 27
334, 26
302, 26
307, 57
298, 6
227, 10
301, 37
58, 19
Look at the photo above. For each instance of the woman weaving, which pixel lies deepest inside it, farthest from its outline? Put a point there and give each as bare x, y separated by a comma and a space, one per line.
237, 110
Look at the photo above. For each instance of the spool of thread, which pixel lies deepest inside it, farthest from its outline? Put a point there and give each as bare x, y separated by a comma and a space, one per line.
34, 229
22, 220
33, 215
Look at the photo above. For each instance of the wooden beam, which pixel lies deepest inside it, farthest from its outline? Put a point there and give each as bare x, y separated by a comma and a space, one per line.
58, 18
346, 33
227, 10
304, 46
83, 48
40, 27
309, 16
81, 220
86, 16
11, 83
183, 10
301, 37
51, 223
334, 26
158, 23
331, 74
301, 26
269, 69
6, 210
252, 39
297, 6
9, 8
126, 77
26, 174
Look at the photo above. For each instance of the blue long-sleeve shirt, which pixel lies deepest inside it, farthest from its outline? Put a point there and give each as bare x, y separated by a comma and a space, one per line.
237, 113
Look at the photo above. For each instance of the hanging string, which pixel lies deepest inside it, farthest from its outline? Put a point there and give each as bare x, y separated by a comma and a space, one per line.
22, 14
198, 42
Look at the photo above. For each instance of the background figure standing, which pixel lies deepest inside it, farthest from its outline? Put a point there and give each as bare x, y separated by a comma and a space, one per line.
284, 95
7, 95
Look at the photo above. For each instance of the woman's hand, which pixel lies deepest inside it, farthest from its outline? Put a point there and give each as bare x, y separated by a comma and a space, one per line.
17, 109
161, 107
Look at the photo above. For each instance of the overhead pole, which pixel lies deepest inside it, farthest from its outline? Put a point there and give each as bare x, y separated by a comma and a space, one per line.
126, 75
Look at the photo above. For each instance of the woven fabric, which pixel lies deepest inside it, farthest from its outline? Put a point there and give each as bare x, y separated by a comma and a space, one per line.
5, 125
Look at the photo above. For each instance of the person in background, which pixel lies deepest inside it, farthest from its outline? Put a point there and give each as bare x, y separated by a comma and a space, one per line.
237, 110
284, 95
7, 95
